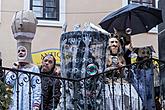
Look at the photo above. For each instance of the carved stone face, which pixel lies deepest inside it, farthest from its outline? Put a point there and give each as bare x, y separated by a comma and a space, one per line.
114, 45
22, 52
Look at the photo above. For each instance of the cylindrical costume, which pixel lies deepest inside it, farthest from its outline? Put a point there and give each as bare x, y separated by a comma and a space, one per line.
24, 28
82, 54
81, 48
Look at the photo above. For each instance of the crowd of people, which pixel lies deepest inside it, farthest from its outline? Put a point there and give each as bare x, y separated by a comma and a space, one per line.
34, 89
42, 92
39, 88
45, 91
31, 85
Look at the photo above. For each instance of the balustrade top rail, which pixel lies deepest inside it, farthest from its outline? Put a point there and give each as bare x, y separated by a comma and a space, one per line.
102, 90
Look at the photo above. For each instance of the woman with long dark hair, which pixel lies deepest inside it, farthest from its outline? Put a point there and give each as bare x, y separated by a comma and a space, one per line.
50, 86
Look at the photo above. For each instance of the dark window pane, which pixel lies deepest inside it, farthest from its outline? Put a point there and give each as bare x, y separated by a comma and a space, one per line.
50, 13
45, 9
144, 2
38, 11
38, 2
50, 3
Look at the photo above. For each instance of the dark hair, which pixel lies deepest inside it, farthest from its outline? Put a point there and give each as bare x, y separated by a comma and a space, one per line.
51, 71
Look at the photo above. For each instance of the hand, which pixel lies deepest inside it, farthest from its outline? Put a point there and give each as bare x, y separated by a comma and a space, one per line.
129, 46
15, 65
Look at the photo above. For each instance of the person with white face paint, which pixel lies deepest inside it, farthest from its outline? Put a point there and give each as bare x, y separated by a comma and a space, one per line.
26, 86
24, 89
116, 60
22, 52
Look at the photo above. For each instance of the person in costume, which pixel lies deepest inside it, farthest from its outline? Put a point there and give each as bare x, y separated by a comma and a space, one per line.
118, 97
26, 87
143, 76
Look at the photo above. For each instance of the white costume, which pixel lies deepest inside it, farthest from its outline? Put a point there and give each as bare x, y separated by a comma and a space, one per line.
117, 96
23, 88
136, 103
26, 86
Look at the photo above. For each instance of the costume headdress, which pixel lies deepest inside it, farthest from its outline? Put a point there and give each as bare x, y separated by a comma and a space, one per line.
24, 28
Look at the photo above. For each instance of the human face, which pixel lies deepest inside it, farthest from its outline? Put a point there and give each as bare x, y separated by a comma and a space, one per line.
114, 45
22, 52
47, 64
144, 52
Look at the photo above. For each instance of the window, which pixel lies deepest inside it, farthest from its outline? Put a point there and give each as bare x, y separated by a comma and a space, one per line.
144, 2
48, 12
46, 9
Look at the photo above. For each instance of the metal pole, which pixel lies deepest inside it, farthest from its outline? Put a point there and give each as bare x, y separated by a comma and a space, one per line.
0, 60
1, 72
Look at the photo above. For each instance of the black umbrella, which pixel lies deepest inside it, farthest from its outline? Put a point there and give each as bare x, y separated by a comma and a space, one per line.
137, 17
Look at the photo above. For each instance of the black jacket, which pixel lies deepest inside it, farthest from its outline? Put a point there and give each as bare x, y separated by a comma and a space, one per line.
50, 92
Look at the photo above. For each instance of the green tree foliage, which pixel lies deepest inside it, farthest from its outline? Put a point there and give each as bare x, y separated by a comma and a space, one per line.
5, 96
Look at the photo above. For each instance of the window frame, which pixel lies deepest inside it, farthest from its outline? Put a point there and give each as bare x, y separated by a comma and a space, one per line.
44, 7
50, 22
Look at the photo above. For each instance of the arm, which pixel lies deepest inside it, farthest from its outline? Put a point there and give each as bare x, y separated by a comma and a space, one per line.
127, 54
